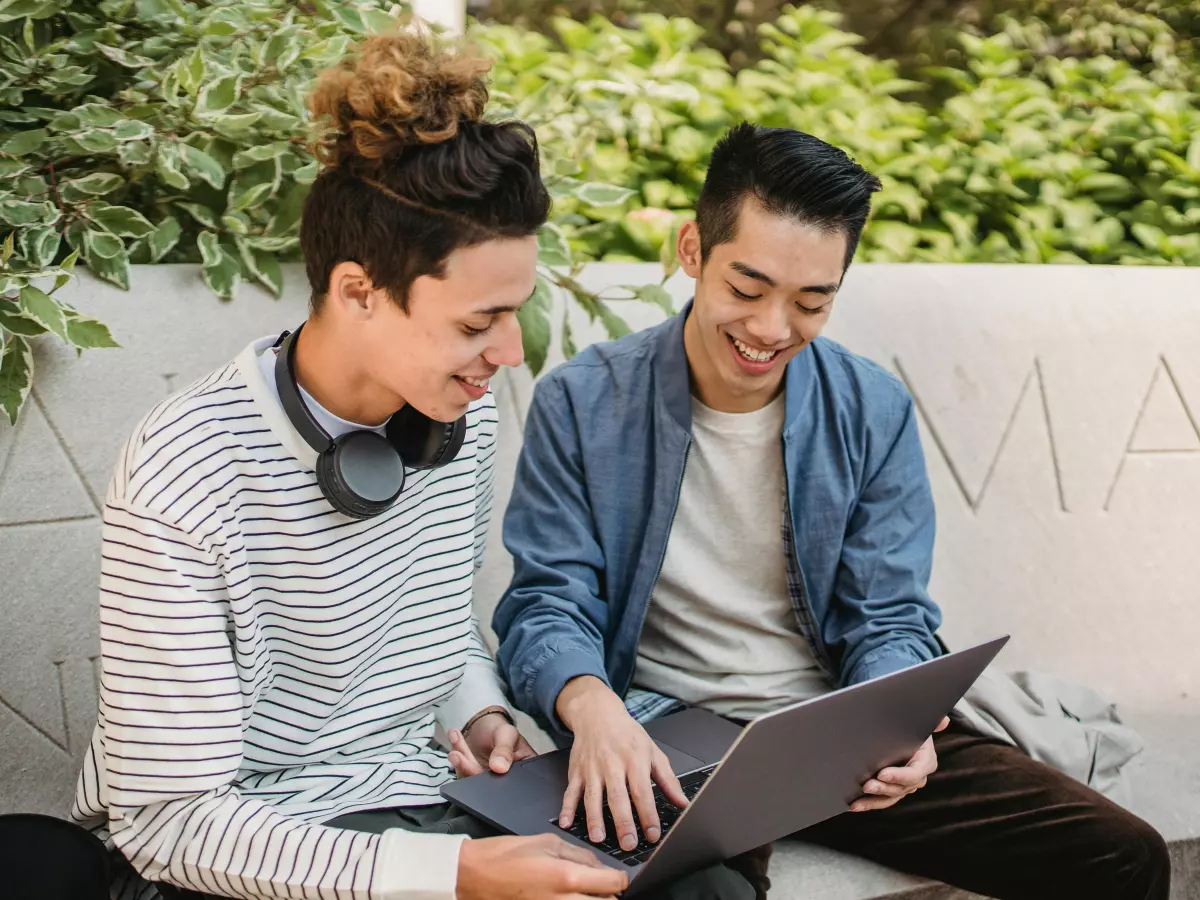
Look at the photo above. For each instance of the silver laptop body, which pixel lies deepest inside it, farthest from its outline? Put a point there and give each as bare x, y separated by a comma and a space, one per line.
780, 774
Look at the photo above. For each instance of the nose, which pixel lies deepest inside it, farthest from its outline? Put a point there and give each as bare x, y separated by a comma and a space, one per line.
769, 327
506, 348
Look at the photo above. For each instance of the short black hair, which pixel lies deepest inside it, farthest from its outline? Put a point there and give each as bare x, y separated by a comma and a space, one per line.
791, 174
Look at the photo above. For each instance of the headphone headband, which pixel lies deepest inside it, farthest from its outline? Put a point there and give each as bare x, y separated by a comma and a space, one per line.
361, 473
289, 395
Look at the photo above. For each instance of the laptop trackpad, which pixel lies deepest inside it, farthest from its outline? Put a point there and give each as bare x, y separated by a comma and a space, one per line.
555, 766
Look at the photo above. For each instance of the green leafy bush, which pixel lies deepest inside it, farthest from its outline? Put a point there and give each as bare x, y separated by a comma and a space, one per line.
1089, 160
1157, 36
1031, 158
145, 131
139, 131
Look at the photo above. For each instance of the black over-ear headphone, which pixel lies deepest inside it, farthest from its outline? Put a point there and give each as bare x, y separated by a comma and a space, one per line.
360, 473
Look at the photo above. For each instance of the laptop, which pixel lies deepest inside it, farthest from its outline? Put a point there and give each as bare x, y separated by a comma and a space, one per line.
741, 797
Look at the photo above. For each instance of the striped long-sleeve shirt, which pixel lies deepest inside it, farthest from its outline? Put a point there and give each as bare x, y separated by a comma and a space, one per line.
269, 664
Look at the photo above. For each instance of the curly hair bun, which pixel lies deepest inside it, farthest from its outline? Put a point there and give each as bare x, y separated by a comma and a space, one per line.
396, 92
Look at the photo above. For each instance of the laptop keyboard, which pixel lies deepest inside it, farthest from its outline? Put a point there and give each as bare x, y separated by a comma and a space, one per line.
668, 812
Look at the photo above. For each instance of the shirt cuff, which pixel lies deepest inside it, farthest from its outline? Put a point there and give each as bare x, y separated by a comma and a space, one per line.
480, 688
416, 866
554, 670
884, 661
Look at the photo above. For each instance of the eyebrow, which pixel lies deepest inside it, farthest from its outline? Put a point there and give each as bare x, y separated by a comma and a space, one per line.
750, 272
501, 308
497, 310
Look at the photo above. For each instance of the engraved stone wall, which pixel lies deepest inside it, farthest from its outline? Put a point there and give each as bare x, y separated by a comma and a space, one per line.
1059, 407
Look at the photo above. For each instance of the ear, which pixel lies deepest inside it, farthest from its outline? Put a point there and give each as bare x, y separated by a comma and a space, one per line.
687, 249
351, 290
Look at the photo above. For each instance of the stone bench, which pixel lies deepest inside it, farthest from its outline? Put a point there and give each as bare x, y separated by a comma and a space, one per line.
1060, 410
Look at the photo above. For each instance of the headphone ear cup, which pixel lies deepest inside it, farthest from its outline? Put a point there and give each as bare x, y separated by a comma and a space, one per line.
361, 475
456, 433
328, 483
424, 443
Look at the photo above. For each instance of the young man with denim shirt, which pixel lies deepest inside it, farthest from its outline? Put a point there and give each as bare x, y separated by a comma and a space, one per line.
732, 512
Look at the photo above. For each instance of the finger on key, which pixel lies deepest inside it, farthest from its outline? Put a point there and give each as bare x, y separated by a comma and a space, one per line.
642, 792
622, 811
593, 804
570, 802
665, 779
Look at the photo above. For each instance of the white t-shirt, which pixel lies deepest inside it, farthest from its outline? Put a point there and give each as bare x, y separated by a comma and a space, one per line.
721, 632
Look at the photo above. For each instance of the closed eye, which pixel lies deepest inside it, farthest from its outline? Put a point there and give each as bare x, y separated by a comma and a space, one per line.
741, 295
477, 332
811, 310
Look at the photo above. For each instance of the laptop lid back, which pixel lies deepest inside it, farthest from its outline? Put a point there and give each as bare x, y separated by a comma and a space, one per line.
808, 762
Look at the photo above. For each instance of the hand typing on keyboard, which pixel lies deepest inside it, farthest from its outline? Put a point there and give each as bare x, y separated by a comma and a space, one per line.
612, 758
667, 812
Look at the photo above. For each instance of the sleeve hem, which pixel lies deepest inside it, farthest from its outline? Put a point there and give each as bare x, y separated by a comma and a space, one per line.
416, 866
553, 674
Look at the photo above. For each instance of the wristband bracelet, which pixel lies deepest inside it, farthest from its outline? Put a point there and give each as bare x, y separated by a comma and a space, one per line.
487, 711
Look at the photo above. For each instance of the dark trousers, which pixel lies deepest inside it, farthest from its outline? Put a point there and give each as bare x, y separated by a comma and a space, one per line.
995, 822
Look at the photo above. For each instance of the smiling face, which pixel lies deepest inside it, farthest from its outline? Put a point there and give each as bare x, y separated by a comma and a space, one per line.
458, 331
363, 357
761, 298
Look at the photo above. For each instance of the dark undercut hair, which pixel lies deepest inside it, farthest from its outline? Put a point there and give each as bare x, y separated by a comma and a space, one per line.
791, 174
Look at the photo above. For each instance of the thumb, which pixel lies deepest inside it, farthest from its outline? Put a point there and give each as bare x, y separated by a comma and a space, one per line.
593, 877
944, 725
502, 751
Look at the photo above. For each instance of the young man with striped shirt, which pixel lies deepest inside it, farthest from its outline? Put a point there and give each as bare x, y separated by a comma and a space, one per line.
274, 657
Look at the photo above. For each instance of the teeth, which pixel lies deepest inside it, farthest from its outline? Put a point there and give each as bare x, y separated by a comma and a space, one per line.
754, 355
475, 382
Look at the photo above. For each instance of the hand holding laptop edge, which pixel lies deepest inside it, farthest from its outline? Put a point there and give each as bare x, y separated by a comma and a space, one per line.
897, 782
505, 867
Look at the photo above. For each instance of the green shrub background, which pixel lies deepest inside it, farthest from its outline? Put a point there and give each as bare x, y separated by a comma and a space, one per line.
140, 131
